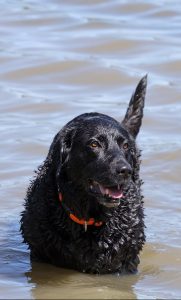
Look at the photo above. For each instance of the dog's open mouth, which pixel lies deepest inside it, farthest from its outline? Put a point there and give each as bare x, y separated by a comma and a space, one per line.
109, 196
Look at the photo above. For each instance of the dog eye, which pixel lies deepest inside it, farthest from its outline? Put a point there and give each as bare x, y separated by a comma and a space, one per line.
125, 146
94, 144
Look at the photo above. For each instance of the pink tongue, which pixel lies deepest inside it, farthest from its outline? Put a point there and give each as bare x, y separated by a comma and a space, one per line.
112, 192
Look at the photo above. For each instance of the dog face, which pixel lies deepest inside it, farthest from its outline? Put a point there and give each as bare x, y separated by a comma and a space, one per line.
98, 151
100, 158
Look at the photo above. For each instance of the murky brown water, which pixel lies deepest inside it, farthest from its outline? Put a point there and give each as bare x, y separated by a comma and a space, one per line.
62, 58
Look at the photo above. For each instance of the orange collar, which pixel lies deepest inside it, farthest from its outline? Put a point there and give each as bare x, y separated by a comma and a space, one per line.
91, 221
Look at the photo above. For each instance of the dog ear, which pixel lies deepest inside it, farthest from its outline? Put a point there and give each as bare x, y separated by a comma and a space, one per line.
67, 143
61, 146
54, 154
133, 118
64, 150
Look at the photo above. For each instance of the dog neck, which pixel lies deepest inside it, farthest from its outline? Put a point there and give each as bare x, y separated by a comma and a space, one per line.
85, 223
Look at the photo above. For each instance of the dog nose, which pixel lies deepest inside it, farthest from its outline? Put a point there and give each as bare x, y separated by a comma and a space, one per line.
124, 171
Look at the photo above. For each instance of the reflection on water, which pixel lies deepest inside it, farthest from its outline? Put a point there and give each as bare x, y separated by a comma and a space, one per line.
59, 59
58, 280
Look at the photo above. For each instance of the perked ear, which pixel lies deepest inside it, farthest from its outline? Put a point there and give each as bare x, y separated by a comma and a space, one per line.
133, 118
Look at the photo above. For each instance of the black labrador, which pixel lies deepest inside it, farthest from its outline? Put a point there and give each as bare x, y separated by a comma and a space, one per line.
84, 209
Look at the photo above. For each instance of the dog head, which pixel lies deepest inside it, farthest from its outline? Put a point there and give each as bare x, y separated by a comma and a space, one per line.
97, 152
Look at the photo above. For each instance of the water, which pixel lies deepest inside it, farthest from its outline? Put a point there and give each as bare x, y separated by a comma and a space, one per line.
62, 58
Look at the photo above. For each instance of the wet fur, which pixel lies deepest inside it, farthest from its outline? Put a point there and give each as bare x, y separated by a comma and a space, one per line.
45, 225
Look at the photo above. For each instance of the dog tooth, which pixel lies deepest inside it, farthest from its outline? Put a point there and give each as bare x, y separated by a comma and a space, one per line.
107, 191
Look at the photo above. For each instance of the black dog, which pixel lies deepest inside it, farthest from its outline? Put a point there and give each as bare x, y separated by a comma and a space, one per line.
84, 210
